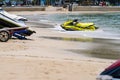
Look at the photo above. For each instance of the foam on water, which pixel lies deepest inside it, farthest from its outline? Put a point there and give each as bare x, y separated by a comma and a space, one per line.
108, 23
103, 43
100, 33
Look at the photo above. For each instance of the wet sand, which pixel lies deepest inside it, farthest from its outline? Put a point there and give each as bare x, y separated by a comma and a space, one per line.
43, 58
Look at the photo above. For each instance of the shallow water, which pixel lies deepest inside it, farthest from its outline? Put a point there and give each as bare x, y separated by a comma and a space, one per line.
101, 48
93, 47
102, 43
108, 23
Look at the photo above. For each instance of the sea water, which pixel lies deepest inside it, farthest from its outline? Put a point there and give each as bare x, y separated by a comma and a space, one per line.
102, 43
108, 23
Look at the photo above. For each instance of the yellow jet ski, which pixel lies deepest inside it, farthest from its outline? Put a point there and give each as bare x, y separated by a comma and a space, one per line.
73, 25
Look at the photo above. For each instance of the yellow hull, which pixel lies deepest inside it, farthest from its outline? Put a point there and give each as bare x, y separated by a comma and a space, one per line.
78, 27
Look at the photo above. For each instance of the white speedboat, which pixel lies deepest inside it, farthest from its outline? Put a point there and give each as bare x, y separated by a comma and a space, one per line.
15, 17
9, 22
11, 27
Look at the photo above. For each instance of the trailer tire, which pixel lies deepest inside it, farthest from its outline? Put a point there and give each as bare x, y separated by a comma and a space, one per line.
4, 36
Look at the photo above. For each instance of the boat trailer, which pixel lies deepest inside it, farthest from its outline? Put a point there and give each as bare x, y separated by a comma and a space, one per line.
7, 33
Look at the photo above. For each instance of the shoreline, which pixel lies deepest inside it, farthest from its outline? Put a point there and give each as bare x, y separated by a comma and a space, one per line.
46, 59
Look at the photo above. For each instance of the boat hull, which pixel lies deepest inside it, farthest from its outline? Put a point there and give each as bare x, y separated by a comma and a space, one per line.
79, 26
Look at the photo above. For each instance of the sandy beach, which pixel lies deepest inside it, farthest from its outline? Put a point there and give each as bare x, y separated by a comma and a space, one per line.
42, 58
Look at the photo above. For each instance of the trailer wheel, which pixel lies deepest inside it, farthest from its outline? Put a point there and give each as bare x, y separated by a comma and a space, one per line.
4, 36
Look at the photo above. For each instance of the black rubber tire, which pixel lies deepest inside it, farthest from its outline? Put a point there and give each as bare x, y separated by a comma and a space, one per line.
4, 36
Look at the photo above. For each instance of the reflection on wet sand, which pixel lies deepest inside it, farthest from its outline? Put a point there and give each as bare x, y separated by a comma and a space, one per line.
99, 48
108, 49
68, 39
92, 47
